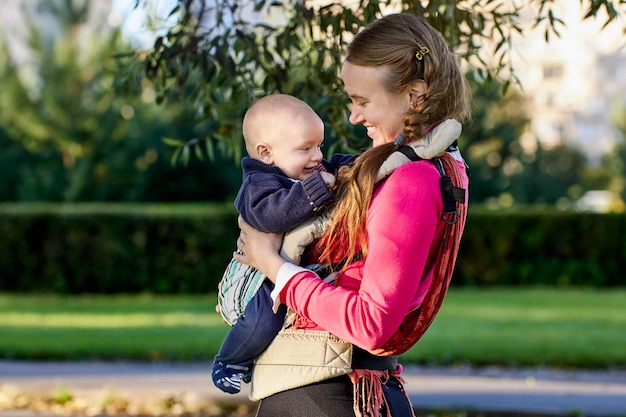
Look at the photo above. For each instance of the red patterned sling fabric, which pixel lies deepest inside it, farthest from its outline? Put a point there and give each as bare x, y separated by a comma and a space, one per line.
417, 321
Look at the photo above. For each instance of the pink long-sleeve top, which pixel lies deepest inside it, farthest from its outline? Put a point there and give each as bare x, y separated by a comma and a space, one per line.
404, 227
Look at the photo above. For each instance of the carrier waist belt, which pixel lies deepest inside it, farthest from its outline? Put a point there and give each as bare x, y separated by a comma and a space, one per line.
362, 359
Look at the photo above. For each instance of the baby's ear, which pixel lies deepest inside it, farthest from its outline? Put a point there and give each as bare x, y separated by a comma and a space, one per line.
264, 153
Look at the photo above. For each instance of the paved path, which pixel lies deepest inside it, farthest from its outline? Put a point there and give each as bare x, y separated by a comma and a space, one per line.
493, 391
536, 392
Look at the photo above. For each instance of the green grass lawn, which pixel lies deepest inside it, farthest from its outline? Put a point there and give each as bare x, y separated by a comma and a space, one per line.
583, 328
513, 327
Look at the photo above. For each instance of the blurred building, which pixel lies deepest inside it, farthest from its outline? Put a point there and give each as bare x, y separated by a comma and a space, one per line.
576, 82
15, 15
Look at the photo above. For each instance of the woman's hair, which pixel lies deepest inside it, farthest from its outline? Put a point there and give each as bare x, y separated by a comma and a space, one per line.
410, 50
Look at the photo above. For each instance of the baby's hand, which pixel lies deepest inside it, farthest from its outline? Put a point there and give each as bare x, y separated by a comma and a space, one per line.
328, 178
218, 310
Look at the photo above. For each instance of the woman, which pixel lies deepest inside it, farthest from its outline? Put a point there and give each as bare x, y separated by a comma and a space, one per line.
388, 244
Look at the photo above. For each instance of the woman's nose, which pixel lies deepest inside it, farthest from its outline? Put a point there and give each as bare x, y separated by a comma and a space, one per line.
355, 118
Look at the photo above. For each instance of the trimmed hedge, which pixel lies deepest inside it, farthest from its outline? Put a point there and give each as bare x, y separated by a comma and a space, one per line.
543, 248
167, 249
104, 248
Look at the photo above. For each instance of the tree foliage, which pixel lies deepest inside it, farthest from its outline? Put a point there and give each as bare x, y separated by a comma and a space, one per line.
507, 167
223, 54
614, 164
71, 131
77, 129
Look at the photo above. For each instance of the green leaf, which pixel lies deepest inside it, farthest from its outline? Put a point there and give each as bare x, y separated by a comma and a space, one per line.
175, 155
185, 155
198, 152
172, 141
210, 149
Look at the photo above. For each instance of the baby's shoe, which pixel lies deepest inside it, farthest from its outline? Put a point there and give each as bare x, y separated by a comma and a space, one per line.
228, 377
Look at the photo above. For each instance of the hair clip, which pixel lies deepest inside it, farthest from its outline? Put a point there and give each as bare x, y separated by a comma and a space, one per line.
421, 52
399, 140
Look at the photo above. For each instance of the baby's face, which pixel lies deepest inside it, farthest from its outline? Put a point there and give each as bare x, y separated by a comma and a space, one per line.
297, 152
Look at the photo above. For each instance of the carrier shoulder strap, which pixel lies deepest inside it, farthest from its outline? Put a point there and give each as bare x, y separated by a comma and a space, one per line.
450, 193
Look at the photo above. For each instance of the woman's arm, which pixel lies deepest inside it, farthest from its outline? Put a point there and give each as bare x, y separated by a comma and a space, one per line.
374, 295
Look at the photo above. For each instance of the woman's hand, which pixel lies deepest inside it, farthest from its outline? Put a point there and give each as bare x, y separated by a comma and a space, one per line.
260, 250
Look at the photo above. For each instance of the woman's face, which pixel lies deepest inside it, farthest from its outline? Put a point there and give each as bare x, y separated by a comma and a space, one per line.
380, 111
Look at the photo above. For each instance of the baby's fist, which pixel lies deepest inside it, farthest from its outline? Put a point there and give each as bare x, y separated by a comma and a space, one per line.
329, 179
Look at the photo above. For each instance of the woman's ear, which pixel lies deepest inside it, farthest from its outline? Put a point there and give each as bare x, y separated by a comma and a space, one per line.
417, 92
264, 153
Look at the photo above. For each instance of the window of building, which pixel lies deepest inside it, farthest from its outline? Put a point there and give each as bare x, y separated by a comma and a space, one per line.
552, 71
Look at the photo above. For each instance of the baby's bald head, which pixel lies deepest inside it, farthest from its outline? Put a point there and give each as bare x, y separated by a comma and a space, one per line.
269, 117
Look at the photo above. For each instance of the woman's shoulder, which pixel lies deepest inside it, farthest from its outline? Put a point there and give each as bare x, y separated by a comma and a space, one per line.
418, 171
412, 186
413, 180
